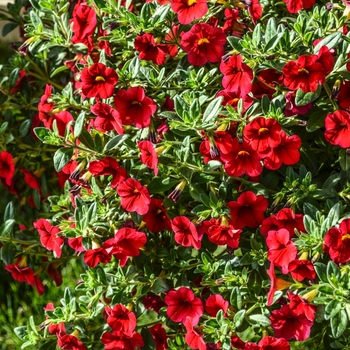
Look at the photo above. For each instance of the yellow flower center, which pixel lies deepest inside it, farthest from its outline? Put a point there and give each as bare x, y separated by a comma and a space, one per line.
243, 153
191, 2
347, 236
203, 41
263, 130
99, 78
300, 70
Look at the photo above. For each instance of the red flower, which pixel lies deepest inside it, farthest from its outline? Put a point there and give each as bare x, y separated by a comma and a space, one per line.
263, 133
237, 75
55, 274
242, 160
49, 237
286, 219
108, 166
269, 343
287, 152
265, 83
232, 99
203, 43
193, 336
222, 234
294, 6
185, 232
69, 342
254, 9
301, 269
134, 196
337, 126
16, 88
62, 119
98, 81
306, 73
76, 244
156, 218
126, 242
344, 95
325, 57
31, 180
107, 118
182, 304
148, 155
337, 240
292, 108
95, 256
120, 341
214, 304
119, 318
188, 10
301, 306
159, 336
21, 273
275, 284
149, 50
281, 249
84, 22
135, 107
7, 167
153, 301
248, 210
44, 107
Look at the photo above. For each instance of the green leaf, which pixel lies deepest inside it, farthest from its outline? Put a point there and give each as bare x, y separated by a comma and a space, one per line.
239, 317
332, 308
8, 27
236, 298
330, 41
8, 252
256, 37
334, 214
333, 274
147, 317
6, 227
212, 111
258, 320
159, 286
148, 340
61, 158
21, 332
274, 42
235, 42
24, 128
79, 124
321, 270
344, 160
115, 142
303, 98
339, 323
86, 139
159, 185
58, 70
271, 29
9, 212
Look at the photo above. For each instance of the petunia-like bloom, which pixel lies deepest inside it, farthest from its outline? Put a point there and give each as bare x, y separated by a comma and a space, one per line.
306, 73
265, 83
108, 166
193, 336
185, 232
344, 95
275, 284
222, 234
159, 336
286, 219
148, 155
182, 304
292, 108
248, 210
302, 269
214, 304
44, 107
188, 10
203, 43
149, 50
242, 159
301, 306
69, 342
7, 167
49, 237
134, 107
134, 196
238, 76
337, 126
98, 80
232, 99
156, 218
121, 341
263, 133
281, 249
95, 256
119, 318
269, 343
254, 9
287, 152
126, 242
294, 6
107, 118
31, 180
337, 240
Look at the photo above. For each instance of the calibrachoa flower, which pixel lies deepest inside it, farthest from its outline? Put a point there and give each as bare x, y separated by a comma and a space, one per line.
119, 318
134, 196
238, 76
281, 249
185, 232
182, 304
159, 336
69, 342
337, 126
188, 10
248, 210
107, 118
44, 107
302, 269
275, 284
93, 257
203, 43
121, 341
224, 234
98, 80
294, 6
214, 304
134, 107
337, 241
156, 218
7, 167
269, 343
49, 237
193, 336
149, 50
148, 155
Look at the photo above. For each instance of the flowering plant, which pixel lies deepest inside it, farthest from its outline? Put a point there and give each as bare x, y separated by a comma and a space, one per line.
193, 157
